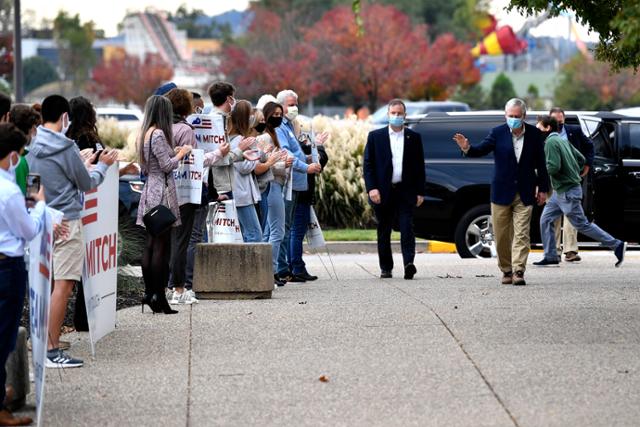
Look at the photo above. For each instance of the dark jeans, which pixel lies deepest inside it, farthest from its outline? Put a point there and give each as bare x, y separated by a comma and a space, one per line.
180, 237
197, 236
301, 219
284, 257
396, 207
13, 285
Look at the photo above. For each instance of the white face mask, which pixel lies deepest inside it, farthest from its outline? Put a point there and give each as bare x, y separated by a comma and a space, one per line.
64, 130
292, 112
13, 166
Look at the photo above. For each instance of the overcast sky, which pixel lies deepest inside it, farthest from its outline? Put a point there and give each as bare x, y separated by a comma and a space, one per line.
108, 13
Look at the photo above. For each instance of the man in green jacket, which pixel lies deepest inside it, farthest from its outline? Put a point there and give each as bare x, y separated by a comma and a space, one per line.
564, 163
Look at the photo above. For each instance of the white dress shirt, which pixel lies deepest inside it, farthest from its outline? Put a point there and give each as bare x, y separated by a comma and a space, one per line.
397, 152
518, 142
17, 225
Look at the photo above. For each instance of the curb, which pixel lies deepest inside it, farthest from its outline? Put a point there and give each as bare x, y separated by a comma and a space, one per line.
366, 247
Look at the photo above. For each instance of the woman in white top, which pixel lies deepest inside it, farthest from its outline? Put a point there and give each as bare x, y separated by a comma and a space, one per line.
244, 185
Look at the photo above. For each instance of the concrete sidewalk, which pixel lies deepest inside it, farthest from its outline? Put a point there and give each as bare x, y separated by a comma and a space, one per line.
452, 347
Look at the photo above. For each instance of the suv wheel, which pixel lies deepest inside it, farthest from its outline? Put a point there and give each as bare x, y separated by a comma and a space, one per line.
474, 234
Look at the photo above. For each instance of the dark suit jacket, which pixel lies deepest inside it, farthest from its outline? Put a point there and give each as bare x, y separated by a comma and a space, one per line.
511, 176
378, 167
582, 143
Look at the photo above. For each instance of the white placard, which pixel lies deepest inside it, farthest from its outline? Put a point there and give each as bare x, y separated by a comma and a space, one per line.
314, 232
188, 178
209, 130
100, 275
222, 223
40, 254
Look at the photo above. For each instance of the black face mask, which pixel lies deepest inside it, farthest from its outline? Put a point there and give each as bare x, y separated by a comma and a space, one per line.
275, 121
260, 127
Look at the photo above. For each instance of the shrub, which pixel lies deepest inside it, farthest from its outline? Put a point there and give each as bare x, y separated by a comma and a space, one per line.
114, 135
340, 192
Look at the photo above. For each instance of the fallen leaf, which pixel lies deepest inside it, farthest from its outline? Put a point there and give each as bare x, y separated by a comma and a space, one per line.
323, 379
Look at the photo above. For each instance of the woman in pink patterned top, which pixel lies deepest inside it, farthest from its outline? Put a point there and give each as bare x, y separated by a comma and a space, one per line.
158, 159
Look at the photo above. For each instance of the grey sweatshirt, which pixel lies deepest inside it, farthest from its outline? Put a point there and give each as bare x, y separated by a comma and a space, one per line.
62, 172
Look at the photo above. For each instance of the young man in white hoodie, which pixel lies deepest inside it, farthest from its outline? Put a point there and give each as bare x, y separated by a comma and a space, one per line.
57, 159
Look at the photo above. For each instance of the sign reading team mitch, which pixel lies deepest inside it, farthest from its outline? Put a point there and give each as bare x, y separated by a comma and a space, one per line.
188, 178
40, 250
209, 130
100, 277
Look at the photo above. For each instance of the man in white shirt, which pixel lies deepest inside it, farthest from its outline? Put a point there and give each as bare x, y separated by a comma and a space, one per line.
395, 179
17, 226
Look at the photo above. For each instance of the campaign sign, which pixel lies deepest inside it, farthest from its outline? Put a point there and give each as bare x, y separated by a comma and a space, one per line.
314, 232
100, 276
40, 254
188, 178
209, 130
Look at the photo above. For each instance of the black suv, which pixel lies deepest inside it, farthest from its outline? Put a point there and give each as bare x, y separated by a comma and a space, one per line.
457, 203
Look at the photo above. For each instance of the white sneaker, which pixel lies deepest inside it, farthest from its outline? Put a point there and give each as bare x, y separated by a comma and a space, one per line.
180, 298
192, 295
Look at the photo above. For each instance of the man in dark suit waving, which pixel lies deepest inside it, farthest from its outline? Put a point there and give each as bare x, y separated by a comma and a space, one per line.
394, 177
520, 179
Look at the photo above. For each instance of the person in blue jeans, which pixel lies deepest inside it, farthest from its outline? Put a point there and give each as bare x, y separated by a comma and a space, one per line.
273, 230
300, 168
17, 227
564, 164
302, 214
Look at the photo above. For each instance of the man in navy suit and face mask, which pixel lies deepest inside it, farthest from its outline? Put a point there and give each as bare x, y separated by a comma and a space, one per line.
520, 179
394, 177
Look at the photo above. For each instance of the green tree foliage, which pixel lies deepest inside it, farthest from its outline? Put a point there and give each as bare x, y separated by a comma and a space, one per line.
194, 22
591, 85
75, 41
501, 91
617, 23
37, 72
474, 96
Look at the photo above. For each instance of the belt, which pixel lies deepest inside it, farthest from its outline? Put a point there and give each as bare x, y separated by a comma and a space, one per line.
396, 185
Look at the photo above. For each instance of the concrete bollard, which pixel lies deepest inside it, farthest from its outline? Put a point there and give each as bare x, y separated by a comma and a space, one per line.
17, 367
233, 271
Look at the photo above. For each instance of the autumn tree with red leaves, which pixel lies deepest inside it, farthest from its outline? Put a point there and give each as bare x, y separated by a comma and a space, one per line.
126, 79
272, 57
390, 58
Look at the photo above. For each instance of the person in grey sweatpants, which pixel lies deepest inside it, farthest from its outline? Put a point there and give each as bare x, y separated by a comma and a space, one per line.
564, 163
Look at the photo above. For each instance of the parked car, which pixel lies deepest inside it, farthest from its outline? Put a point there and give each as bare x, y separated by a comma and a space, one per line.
128, 118
419, 107
457, 189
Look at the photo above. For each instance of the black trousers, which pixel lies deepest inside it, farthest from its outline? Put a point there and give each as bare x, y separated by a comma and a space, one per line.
180, 237
395, 207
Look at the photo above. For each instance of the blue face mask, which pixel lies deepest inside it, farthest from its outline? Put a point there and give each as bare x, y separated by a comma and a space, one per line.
514, 123
396, 121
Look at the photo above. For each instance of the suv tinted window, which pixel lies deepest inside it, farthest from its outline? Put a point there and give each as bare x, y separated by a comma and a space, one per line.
437, 137
634, 140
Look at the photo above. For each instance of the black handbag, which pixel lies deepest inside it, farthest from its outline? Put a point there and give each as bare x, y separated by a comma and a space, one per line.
158, 219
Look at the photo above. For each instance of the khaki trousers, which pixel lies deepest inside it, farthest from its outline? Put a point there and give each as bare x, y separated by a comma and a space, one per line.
567, 239
511, 229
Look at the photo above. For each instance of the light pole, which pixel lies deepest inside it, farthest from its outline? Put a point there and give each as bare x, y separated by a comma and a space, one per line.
17, 52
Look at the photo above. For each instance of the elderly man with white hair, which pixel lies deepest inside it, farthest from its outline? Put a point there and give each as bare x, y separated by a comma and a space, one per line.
520, 179
288, 141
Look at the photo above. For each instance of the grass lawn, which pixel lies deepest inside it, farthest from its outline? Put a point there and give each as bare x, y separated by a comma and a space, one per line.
353, 234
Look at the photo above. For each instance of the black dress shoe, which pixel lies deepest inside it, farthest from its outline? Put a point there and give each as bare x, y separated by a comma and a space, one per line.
296, 278
277, 281
384, 274
308, 277
409, 271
